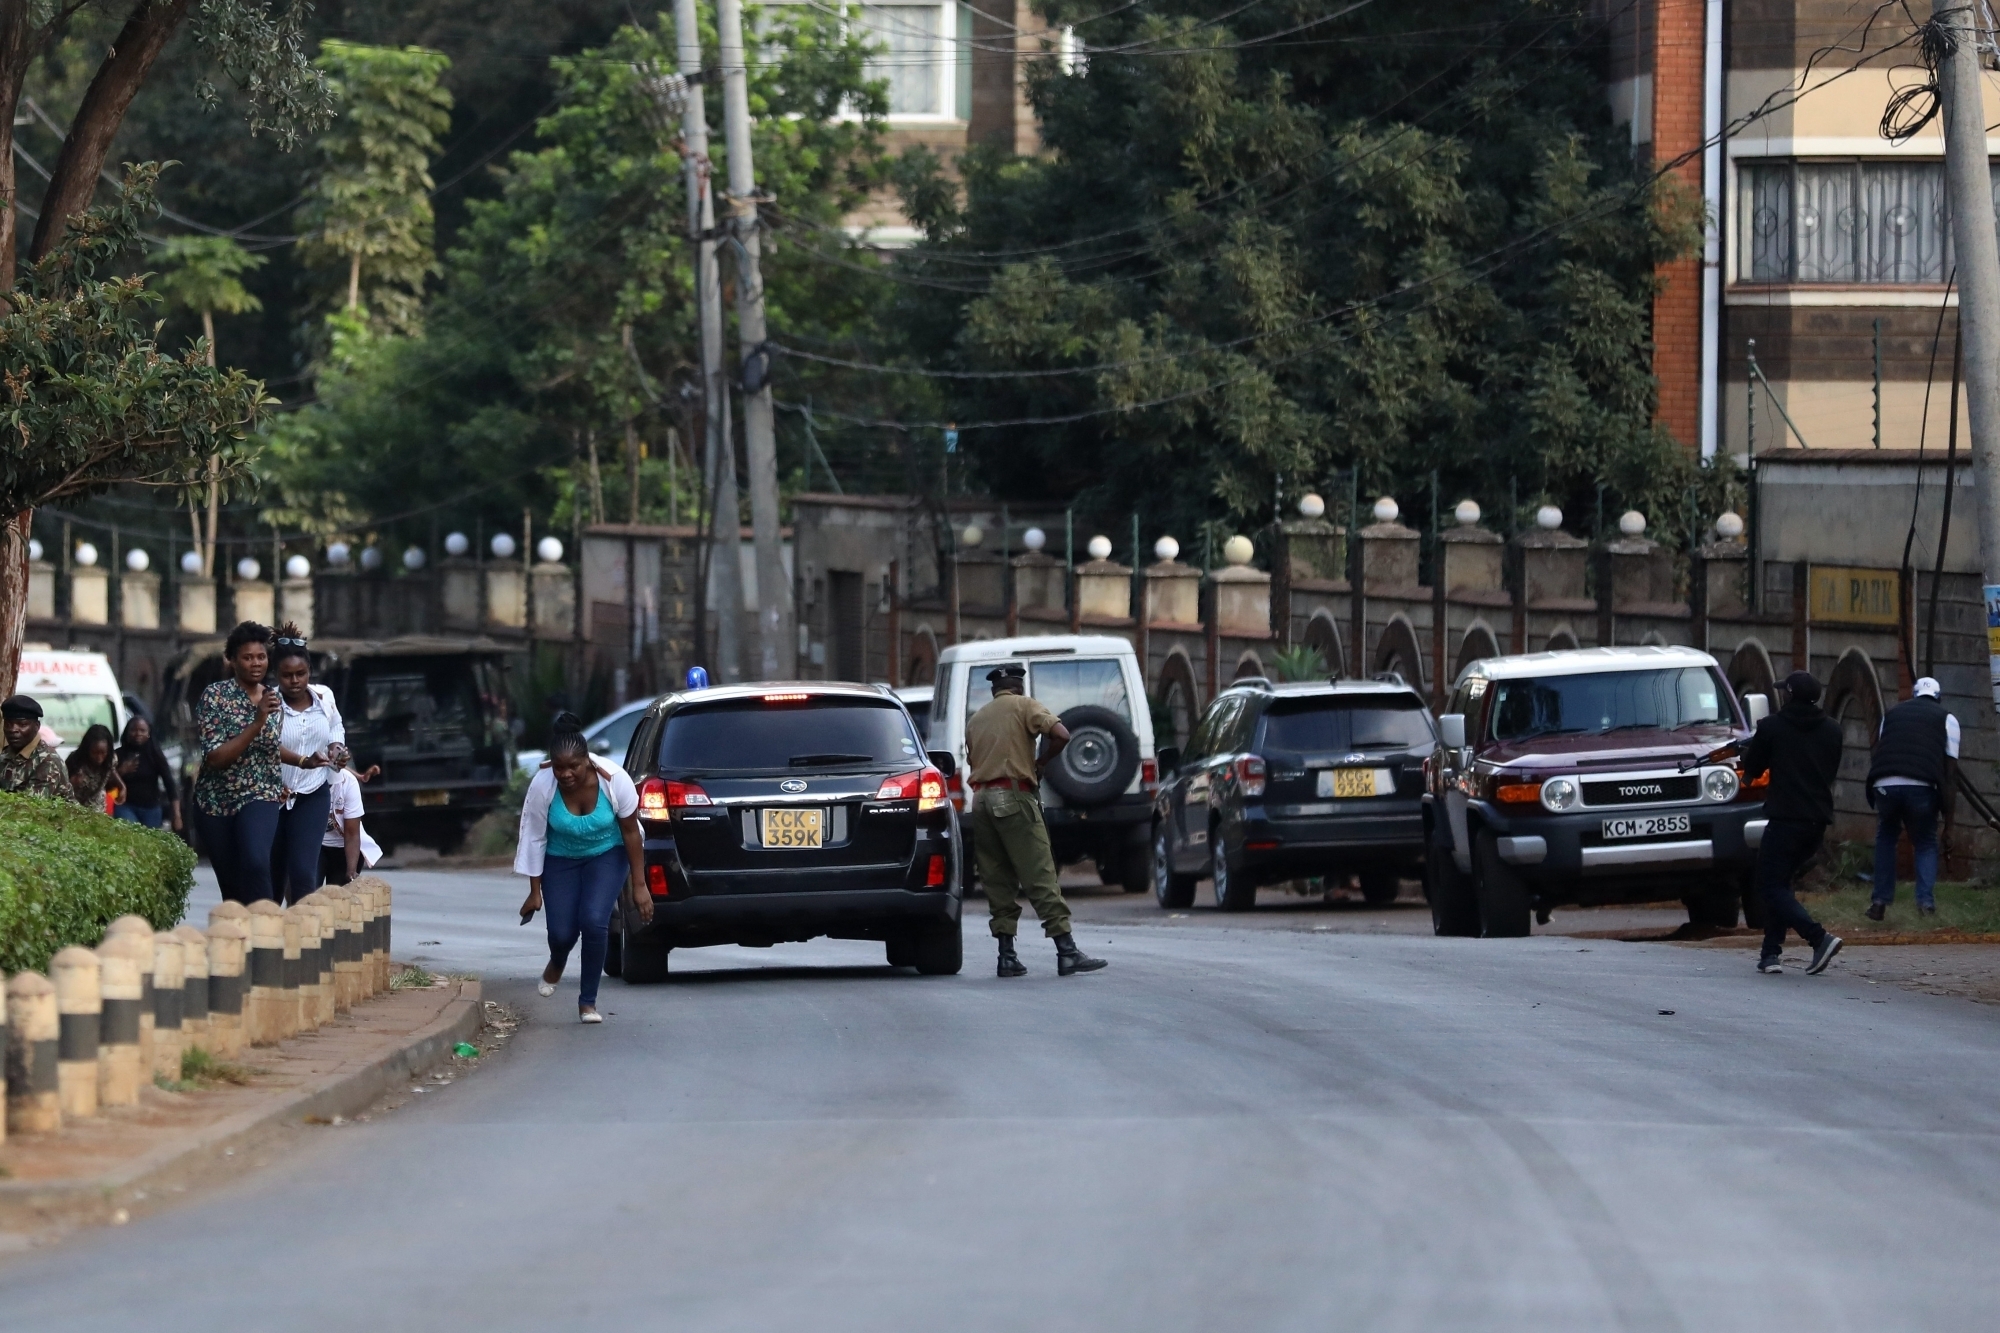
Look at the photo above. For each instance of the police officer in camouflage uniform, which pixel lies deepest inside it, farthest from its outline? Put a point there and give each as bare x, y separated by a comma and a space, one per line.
27, 765
1011, 841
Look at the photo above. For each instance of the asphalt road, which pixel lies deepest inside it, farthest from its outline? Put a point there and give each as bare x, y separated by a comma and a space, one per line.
1228, 1129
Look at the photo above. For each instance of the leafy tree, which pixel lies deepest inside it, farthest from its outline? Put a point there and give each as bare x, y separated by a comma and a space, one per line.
368, 209
203, 274
87, 399
1249, 261
132, 412
565, 314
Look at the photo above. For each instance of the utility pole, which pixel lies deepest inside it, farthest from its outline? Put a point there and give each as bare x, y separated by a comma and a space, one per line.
776, 659
725, 538
1969, 189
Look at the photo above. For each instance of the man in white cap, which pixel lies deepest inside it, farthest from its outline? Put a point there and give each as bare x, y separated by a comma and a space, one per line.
1916, 755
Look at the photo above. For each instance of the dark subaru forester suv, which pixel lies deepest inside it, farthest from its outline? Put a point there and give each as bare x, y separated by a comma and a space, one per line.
1590, 777
1286, 781
783, 812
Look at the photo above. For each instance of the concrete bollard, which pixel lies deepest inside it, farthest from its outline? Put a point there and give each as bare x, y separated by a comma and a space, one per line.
34, 1089
364, 914
120, 1070
328, 943
169, 1005
261, 1024
194, 987
387, 912
140, 929
377, 894
290, 1016
346, 948
79, 1010
228, 988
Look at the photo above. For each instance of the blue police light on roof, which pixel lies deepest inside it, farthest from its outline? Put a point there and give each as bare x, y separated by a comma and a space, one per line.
697, 678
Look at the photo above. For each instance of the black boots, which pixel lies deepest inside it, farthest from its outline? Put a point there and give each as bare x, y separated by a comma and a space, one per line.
1070, 959
1010, 962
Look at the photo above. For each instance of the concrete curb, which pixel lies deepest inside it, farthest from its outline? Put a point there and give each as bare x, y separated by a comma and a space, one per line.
343, 1093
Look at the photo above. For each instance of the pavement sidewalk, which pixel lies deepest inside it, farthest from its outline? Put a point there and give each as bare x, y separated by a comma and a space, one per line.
106, 1167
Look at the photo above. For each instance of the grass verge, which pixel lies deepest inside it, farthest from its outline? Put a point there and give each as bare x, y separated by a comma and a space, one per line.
200, 1070
1964, 913
412, 978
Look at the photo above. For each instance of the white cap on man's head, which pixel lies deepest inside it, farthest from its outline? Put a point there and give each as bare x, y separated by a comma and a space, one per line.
1927, 688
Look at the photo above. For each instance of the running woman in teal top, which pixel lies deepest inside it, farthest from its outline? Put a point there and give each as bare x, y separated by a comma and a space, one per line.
579, 845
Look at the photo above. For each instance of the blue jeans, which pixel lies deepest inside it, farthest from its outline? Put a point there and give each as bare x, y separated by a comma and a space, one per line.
1915, 809
1788, 844
239, 847
152, 816
295, 855
579, 895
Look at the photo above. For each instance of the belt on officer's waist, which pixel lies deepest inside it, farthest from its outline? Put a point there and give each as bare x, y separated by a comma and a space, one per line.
1015, 784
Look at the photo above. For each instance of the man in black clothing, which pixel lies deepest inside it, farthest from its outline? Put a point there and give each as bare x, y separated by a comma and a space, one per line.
1800, 747
1914, 759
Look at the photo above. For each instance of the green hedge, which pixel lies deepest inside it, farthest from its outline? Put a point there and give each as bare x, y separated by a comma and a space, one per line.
66, 873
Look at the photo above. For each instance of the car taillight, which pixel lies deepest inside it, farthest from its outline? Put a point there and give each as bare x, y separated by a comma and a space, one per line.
934, 876
925, 786
1149, 774
656, 881
660, 795
957, 790
1250, 775
789, 697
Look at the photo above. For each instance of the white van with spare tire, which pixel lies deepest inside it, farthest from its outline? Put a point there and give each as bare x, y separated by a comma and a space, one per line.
1097, 798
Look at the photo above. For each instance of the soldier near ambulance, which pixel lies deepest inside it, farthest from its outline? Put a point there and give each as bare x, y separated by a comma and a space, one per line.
26, 764
1011, 841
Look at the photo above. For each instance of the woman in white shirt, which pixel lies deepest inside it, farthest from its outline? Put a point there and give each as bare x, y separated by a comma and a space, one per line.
346, 850
579, 845
312, 730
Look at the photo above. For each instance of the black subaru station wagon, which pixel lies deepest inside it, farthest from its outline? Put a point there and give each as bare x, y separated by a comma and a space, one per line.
782, 812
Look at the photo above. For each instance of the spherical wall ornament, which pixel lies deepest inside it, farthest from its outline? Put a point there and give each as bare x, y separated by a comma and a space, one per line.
1166, 548
34, 548
549, 549
456, 544
247, 568
1467, 513
413, 558
337, 553
972, 536
298, 567
1386, 510
1238, 550
371, 558
86, 554
1549, 517
503, 546
190, 562
1311, 505
1034, 539
1099, 548
1729, 527
137, 560
1632, 523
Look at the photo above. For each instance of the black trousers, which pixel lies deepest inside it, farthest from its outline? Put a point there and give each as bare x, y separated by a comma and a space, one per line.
332, 865
295, 851
1788, 844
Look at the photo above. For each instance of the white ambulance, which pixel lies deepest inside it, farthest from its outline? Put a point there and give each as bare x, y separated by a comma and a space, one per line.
75, 690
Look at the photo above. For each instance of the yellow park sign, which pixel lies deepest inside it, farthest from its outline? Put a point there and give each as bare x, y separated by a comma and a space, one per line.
1846, 595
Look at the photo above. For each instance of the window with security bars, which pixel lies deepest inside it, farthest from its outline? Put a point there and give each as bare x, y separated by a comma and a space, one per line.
1844, 222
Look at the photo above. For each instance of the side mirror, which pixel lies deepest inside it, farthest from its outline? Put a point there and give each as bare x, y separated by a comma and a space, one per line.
943, 761
1757, 706
600, 746
1169, 757
1451, 731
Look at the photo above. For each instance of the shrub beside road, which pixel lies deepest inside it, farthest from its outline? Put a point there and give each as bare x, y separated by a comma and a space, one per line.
67, 872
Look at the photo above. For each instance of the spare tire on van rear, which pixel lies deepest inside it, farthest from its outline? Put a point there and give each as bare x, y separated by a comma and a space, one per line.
1097, 765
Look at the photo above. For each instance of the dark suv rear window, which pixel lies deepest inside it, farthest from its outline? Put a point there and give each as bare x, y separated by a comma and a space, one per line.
1313, 726
753, 735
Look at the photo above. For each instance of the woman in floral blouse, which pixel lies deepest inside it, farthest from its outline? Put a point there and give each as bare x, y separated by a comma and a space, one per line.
237, 795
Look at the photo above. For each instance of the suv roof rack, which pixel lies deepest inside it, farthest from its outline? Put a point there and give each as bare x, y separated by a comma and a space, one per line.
1253, 682
1389, 678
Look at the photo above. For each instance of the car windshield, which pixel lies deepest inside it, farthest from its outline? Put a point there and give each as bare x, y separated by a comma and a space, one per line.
430, 703
70, 715
752, 736
1319, 725
1060, 685
1602, 701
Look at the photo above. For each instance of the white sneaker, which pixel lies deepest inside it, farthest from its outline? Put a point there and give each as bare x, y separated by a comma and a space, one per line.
545, 988
590, 1016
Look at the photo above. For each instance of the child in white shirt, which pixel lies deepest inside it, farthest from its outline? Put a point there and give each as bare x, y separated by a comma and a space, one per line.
346, 849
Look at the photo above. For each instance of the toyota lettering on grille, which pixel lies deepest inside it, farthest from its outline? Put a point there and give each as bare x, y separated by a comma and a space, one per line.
1640, 789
